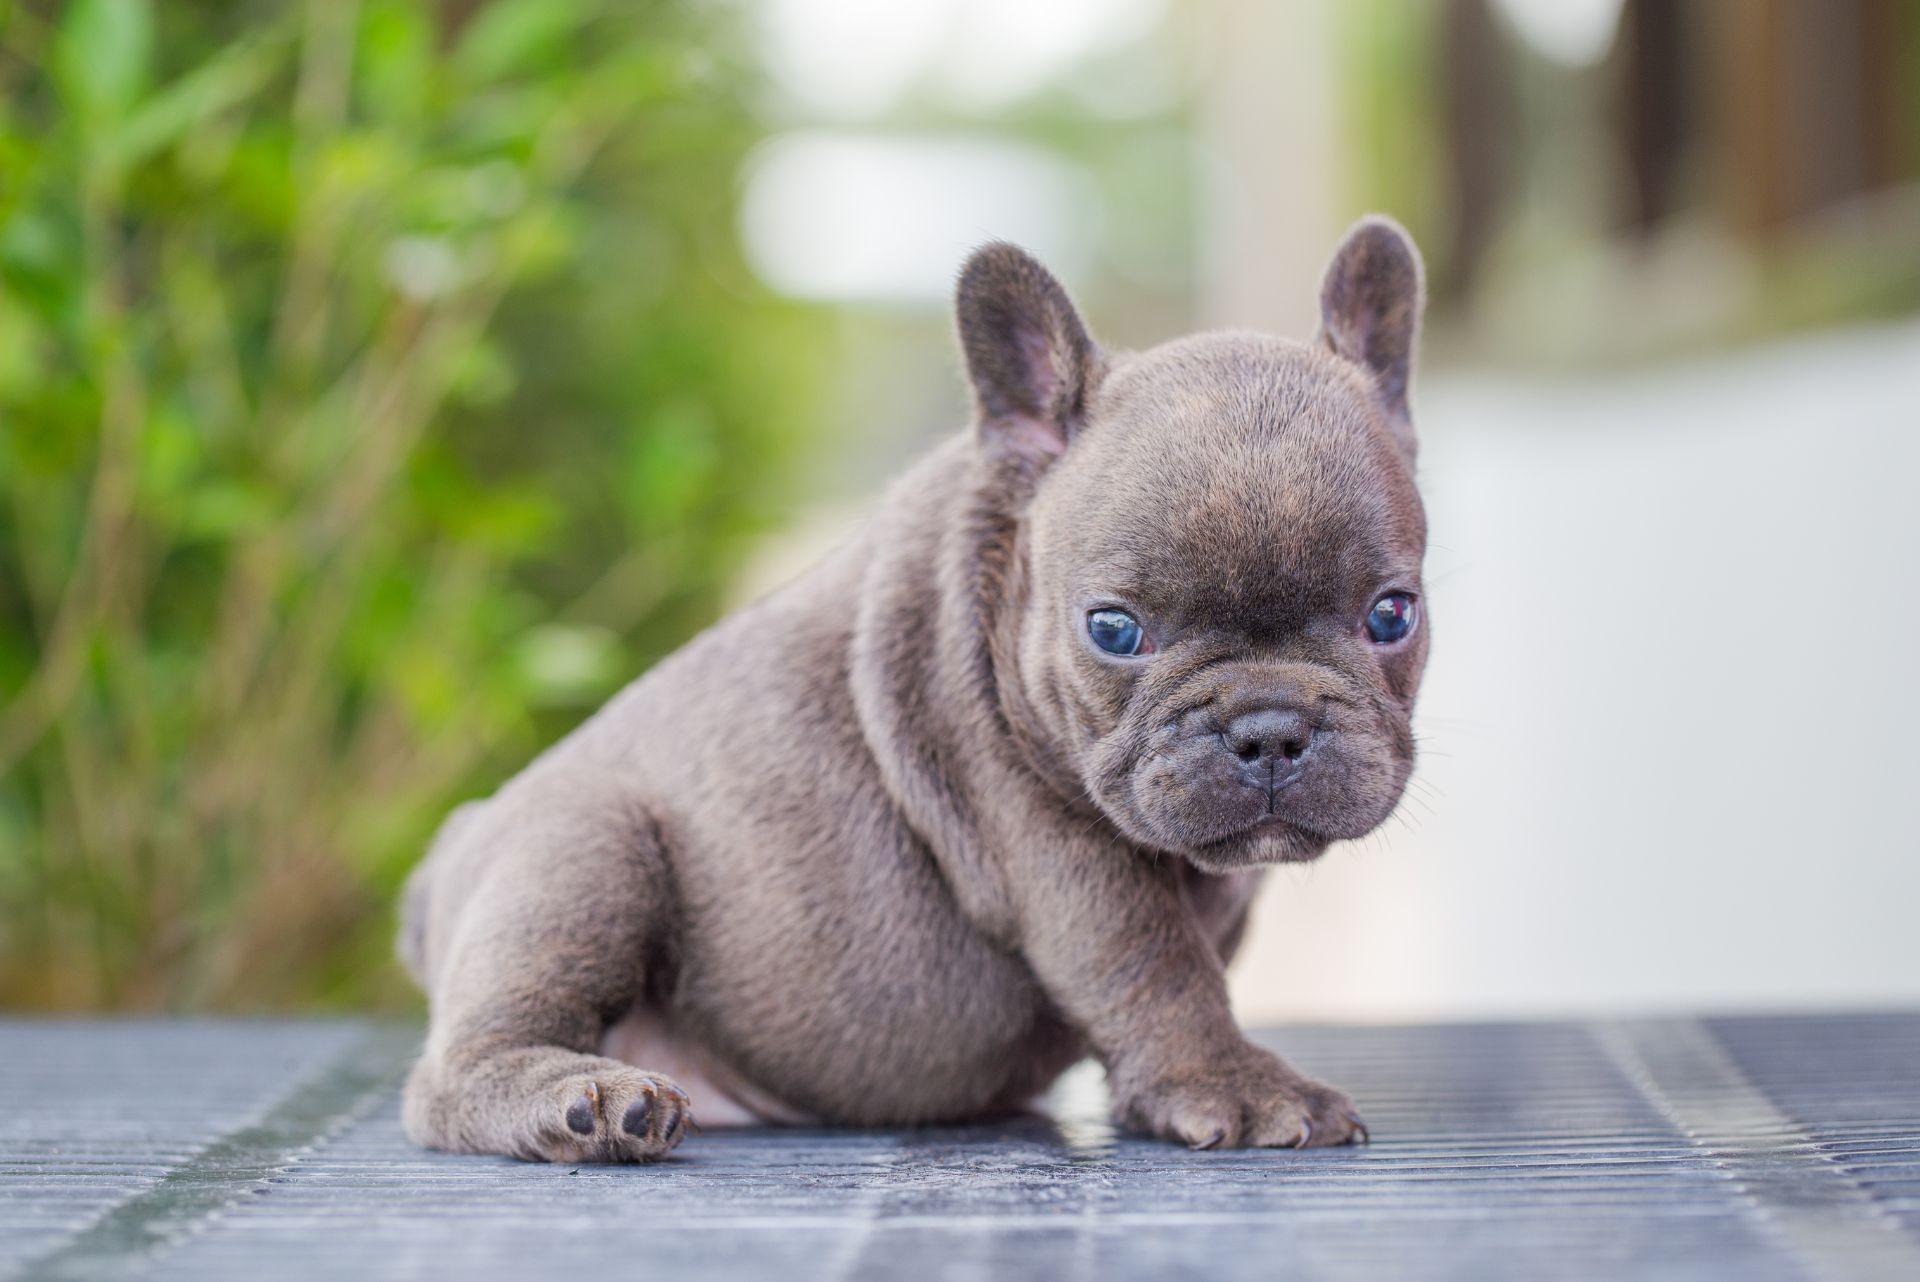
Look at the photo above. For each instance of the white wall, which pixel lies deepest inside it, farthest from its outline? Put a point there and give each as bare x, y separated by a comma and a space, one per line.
1669, 720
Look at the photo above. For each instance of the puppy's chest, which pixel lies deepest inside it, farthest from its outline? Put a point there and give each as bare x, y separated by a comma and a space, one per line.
1221, 902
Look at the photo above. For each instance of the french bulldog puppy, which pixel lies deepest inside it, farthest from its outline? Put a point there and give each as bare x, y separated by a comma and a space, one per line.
988, 791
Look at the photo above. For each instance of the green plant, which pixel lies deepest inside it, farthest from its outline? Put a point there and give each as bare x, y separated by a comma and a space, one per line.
379, 387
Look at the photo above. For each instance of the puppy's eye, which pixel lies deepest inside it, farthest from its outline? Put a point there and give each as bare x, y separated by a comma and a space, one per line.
1115, 631
1391, 618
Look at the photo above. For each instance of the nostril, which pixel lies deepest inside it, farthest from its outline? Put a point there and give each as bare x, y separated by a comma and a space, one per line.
1268, 736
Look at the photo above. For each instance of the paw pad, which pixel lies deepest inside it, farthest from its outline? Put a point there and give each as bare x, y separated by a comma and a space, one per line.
582, 1113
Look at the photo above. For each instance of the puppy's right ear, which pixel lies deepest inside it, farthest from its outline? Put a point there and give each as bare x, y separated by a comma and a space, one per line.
1028, 354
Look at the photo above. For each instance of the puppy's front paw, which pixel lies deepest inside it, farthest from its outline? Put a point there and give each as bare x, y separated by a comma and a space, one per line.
1255, 1101
618, 1116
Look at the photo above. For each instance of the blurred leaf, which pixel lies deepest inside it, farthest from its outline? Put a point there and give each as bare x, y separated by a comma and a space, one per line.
514, 36
537, 241
223, 81
23, 355
398, 59
483, 375
224, 509
102, 53
673, 466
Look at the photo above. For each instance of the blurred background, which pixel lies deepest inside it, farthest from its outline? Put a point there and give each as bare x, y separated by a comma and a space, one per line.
384, 382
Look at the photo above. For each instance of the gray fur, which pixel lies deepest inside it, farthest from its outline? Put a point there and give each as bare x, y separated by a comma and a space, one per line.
897, 844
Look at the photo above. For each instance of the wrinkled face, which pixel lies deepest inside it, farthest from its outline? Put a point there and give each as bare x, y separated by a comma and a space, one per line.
1225, 629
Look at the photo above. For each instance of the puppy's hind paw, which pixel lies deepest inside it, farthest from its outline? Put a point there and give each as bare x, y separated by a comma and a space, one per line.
621, 1116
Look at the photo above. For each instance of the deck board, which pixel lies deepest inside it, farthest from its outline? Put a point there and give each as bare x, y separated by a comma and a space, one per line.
1750, 1148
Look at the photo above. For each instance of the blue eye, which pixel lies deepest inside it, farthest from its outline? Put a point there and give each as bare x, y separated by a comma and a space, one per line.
1115, 631
1391, 618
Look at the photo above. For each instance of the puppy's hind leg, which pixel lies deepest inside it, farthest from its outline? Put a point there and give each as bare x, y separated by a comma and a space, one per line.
569, 899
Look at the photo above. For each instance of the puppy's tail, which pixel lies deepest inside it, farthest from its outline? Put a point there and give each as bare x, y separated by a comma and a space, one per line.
411, 943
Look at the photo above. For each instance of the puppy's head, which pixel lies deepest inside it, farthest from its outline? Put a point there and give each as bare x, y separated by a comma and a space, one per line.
1219, 625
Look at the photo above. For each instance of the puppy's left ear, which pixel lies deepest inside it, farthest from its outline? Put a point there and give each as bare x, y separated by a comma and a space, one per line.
1370, 312
1029, 357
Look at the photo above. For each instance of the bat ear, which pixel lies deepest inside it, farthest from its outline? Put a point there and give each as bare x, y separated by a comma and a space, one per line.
1370, 307
1029, 356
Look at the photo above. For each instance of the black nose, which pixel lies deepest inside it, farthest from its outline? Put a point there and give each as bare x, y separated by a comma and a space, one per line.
1269, 736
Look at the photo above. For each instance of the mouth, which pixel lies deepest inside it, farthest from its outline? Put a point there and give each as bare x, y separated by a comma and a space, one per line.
1277, 784
1270, 839
1274, 836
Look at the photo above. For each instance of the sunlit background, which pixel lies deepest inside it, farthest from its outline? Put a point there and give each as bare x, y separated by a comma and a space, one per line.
382, 384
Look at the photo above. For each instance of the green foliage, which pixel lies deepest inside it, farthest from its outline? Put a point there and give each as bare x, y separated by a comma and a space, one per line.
1388, 98
379, 387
